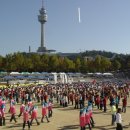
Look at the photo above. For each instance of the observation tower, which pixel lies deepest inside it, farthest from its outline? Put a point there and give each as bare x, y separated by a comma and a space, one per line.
42, 18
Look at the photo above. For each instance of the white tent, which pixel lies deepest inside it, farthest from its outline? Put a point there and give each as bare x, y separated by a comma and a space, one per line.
55, 77
107, 74
14, 73
98, 73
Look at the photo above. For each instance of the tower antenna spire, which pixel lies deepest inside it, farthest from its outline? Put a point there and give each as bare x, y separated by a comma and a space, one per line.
42, 3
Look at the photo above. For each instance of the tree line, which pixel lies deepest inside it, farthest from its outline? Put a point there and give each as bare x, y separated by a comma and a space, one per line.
23, 62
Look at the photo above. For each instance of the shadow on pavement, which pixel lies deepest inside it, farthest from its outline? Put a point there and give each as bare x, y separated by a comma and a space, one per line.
18, 125
69, 127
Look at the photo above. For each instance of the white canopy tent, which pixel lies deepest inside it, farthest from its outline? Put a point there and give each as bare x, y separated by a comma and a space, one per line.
62, 75
14, 73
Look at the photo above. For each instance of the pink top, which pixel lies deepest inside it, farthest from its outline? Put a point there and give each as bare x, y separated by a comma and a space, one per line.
22, 108
34, 114
0, 113
0, 102
44, 111
26, 116
30, 104
13, 110
82, 120
87, 117
49, 106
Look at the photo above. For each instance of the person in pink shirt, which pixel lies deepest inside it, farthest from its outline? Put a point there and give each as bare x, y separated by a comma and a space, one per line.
0, 100
88, 119
26, 118
30, 105
0, 117
13, 112
11, 103
34, 115
22, 107
82, 119
44, 112
2, 111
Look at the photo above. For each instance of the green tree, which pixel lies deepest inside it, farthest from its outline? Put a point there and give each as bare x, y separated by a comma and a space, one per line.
27, 65
61, 64
36, 61
1, 63
84, 66
97, 63
53, 63
116, 65
8, 62
105, 64
91, 66
18, 60
69, 65
128, 63
45, 63
77, 64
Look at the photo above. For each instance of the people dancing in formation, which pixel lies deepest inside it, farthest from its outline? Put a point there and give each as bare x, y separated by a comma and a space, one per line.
83, 96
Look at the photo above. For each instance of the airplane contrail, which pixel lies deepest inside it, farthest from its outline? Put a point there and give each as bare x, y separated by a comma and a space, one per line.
79, 15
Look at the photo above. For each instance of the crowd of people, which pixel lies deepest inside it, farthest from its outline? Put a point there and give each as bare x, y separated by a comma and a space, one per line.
79, 95
28, 107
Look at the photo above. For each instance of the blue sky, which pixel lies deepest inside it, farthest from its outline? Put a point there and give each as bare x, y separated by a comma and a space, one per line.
105, 25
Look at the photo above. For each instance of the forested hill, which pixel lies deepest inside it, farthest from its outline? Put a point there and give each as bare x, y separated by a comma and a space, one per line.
101, 61
94, 53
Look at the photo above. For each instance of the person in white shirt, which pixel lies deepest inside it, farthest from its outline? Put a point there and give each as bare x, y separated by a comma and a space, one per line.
119, 120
